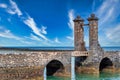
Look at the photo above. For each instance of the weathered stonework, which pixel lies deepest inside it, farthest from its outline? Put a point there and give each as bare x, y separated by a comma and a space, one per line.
31, 59
95, 49
96, 53
79, 34
25, 64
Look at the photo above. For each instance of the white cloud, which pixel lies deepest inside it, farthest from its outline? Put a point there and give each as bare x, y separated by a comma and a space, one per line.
14, 9
71, 18
33, 37
29, 21
2, 5
7, 34
43, 30
56, 40
114, 33
70, 38
108, 11
31, 24
26, 42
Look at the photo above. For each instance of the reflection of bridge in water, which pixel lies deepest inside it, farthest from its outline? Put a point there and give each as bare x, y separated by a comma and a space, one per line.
27, 64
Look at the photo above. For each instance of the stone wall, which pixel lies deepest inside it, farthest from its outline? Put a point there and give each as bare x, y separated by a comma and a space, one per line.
25, 64
32, 63
20, 73
114, 56
33, 58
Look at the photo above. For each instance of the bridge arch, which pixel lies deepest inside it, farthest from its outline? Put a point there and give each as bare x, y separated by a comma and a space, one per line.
54, 66
105, 63
79, 60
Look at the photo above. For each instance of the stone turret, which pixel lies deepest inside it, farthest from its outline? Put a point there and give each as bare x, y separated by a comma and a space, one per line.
95, 49
93, 32
79, 34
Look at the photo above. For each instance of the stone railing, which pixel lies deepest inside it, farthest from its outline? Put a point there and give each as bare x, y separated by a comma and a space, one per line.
80, 53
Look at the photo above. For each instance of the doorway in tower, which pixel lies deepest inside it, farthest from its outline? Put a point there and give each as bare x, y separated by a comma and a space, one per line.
54, 67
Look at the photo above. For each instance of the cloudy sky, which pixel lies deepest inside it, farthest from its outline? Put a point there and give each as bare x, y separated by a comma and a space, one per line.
50, 22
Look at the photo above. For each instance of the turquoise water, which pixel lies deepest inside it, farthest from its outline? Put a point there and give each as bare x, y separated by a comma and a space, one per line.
102, 76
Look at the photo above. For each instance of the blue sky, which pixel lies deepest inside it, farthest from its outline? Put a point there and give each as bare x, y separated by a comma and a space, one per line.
50, 22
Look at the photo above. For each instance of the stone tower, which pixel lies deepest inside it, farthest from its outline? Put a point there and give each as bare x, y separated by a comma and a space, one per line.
95, 49
93, 32
79, 34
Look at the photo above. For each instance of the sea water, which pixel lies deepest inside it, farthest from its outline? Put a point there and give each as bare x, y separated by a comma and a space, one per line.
102, 76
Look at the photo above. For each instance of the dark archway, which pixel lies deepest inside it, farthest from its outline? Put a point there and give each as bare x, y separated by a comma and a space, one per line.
105, 63
79, 60
53, 67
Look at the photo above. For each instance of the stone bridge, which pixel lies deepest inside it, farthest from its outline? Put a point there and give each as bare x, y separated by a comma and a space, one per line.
25, 64
39, 59
34, 62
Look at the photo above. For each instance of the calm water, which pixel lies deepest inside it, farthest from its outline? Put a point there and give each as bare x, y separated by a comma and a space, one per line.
102, 76
13, 49
61, 48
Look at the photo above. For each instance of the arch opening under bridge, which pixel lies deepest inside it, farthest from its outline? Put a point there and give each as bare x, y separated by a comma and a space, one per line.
53, 67
105, 63
79, 60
